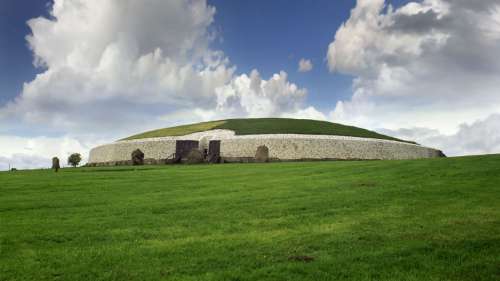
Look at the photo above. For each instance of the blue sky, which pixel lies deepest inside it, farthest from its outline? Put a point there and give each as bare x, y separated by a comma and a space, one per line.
425, 70
15, 57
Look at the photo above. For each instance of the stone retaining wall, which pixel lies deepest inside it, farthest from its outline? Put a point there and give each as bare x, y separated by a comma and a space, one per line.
121, 151
153, 148
281, 147
293, 148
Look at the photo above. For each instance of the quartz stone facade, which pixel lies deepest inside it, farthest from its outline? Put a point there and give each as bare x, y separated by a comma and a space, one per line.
282, 147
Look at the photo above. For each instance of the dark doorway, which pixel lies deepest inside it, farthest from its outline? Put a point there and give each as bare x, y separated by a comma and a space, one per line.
183, 147
214, 151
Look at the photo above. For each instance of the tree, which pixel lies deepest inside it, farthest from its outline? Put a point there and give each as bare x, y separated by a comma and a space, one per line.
74, 159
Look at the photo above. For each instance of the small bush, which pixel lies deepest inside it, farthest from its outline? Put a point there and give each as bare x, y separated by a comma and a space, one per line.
74, 159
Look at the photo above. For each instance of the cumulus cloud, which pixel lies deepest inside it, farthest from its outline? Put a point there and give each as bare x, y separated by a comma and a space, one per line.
254, 97
305, 65
116, 64
309, 112
479, 137
430, 64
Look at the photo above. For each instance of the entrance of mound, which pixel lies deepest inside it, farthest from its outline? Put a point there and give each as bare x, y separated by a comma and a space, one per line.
214, 151
209, 148
183, 147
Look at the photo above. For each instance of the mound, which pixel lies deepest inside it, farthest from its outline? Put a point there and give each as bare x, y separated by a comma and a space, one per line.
238, 140
268, 126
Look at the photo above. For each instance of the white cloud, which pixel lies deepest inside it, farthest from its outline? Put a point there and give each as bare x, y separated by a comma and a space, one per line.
251, 96
23, 161
307, 113
431, 64
480, 137
254, 97
37, 152
118, 64
305, 65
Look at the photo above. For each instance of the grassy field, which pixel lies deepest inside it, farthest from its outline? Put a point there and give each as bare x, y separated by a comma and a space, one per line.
267, 126
436, 219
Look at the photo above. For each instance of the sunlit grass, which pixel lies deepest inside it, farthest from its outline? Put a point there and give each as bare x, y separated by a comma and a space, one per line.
434, 219
178, 130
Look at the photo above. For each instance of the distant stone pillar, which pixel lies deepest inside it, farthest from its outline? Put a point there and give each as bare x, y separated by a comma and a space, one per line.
137, 157
55, 164
262, 154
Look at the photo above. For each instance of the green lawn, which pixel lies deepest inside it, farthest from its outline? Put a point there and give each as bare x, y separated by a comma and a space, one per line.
252, 126
436, 219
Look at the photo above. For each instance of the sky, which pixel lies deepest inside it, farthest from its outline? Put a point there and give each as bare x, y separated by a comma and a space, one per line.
75, 74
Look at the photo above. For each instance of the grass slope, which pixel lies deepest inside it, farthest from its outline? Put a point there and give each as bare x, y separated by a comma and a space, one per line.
436, 219
267, 126
178, 130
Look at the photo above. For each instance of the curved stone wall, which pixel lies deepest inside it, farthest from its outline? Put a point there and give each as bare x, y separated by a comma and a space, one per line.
121, 151
308, 147
281, 147
153, 148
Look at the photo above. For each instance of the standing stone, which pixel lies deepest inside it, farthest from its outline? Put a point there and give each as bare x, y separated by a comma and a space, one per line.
262, 154
55, 164
137, 157
195, 156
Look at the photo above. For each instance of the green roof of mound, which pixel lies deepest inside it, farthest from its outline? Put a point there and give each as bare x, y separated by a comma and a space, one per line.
267, 126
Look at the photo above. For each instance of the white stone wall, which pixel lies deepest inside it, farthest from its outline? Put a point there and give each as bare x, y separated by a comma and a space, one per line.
281, 146
294, 148
154, 148
121, 151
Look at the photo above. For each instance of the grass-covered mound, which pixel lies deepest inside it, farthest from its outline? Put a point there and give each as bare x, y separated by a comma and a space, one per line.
267, 126
434, 219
